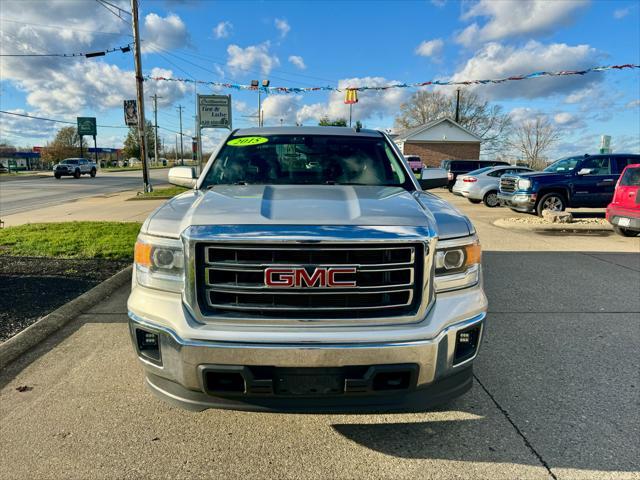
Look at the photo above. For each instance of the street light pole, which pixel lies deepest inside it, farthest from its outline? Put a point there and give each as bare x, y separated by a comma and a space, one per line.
180, 108
140, 95
155, 119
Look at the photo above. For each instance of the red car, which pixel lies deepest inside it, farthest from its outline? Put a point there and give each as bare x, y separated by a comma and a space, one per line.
624, 211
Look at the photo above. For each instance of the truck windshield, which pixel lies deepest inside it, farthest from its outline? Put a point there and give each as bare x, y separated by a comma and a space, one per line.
69, 162
563, 165
306, 160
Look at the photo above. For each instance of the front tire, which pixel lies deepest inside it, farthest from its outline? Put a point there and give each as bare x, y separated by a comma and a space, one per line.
491, 199
93, 172
76, 174
57, 175
551, 201
625, 232
473, 200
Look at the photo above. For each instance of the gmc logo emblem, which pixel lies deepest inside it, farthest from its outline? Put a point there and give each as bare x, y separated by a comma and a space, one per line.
298, 277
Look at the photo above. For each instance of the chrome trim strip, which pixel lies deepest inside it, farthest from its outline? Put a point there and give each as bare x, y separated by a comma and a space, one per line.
256, 266
456, 281
307, 346
367, 236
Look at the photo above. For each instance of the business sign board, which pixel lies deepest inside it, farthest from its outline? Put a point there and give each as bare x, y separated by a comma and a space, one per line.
214, 111
86, 126
130, 113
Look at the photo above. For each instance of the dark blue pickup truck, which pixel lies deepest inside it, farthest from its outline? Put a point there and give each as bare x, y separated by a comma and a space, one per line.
583, 181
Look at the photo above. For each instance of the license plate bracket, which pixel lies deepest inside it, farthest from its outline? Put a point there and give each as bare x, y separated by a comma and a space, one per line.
300, 382
624, 222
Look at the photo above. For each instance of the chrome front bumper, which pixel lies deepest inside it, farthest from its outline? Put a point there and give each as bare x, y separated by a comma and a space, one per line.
524, 202
186, 345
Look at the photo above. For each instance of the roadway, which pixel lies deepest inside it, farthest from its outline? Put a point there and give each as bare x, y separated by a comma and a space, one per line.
18, 195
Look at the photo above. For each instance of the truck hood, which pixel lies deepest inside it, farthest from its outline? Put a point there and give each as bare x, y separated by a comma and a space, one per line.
303, 205
551, 176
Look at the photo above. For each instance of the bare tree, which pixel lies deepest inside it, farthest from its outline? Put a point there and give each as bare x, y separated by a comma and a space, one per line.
533, 138
487, 121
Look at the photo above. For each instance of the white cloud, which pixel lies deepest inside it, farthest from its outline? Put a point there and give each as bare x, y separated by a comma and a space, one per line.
430, 48
567, 119
517, 18
283, 26
166, 33
495, 60
244, 59
580, 95
520, 115
63, 87
372, 104
285, 107
621, 13
13, 128
438, 3
298, 61
633, 104
222, 30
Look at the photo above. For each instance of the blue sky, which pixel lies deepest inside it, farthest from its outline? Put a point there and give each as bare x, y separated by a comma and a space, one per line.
324, 43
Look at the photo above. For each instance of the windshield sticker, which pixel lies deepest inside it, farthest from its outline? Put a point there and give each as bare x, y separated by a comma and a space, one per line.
247, 141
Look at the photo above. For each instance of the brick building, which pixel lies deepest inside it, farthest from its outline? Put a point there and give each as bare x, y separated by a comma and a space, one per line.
439, 140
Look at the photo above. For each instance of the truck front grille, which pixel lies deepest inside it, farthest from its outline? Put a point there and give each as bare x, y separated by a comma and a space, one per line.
388, 280
508, 184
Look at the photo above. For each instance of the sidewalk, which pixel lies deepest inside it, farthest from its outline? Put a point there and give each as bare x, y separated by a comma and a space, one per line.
109, 207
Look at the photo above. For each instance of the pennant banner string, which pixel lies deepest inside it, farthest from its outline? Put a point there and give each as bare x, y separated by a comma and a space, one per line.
328, 88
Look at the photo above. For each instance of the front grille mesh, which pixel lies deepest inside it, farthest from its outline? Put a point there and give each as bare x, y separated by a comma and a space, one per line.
508, 184
388, 277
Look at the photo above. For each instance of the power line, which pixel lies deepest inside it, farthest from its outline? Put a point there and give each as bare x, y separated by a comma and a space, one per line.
59, 27
54, 120
100, 53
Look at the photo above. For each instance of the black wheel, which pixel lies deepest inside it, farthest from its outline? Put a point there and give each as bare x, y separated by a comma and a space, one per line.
473, 200
93, 172
551, 201
491, 199
57, 175
625, 232
76, 174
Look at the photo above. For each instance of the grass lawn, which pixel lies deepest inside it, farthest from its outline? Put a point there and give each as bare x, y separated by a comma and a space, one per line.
111, 240
166, 192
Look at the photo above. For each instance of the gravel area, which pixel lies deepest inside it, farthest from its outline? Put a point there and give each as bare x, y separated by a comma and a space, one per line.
533, 220
33, 287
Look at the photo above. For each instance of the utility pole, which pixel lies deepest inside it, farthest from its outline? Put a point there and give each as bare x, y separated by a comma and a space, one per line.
140, 96
176, 162
457, 105
155, 98
180, 108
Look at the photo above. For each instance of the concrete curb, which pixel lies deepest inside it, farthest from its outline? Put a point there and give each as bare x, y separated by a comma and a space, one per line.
47, 325
532, 227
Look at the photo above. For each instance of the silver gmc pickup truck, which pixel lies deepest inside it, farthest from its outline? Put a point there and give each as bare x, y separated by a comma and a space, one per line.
306, 270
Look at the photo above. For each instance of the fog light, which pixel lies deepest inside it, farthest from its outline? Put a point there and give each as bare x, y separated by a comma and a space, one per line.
148, 345
467, 342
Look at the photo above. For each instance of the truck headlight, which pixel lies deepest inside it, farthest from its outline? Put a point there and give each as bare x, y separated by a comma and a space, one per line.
159, 263
457, 264
524, 184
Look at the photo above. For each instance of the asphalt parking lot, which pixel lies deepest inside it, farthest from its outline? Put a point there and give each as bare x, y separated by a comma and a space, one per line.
556, 394
19, 195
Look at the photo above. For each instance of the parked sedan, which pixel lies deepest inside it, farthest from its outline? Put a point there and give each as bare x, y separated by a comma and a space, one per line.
482, 185
624, 211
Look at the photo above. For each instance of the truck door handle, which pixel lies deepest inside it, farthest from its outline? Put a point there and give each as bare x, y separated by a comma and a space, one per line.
608, 180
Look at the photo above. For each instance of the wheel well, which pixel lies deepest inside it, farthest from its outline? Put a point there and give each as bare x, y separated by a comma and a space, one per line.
561, 191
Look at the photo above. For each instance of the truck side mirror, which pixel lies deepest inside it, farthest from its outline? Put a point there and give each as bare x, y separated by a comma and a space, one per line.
585, 171
433, 178
183, 176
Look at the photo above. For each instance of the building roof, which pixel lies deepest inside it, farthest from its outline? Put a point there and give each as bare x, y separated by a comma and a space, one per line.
404, 135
